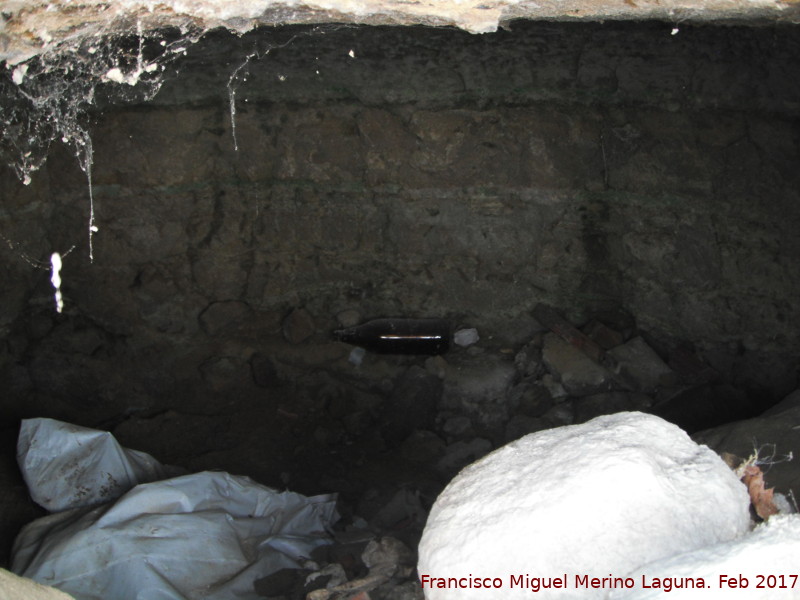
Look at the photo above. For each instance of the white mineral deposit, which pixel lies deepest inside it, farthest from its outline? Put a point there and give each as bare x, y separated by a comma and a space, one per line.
556, 509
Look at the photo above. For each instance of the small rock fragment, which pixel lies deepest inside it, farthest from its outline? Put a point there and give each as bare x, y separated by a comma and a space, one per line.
529, 360
466, 337
356, 356
603, 336
579, 374
639, 367
554, 388
386, 556
328, 577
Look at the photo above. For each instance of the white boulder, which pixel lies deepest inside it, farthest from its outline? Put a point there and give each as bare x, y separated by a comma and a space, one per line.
558, 507
762, 564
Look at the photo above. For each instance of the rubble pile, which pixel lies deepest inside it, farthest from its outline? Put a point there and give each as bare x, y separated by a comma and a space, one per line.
477, 397
567, 375
360, 565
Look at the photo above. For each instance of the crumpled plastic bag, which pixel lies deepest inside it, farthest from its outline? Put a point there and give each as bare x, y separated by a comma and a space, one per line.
68, 466
208, 535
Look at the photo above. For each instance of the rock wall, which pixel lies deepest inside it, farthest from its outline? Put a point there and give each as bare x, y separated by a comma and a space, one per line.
408, 171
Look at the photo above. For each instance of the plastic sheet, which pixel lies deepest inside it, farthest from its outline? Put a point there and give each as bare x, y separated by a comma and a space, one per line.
68, 466
208, 535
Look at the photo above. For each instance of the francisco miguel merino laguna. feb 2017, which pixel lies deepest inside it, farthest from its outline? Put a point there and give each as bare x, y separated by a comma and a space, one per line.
536, 584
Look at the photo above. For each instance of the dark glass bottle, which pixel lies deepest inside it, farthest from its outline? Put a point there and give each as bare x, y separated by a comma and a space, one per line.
399, 336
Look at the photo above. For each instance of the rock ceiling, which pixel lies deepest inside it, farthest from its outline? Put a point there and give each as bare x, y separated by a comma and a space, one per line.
30, 27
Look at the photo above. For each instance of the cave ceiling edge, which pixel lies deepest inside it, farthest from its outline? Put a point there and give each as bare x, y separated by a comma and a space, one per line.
30, 28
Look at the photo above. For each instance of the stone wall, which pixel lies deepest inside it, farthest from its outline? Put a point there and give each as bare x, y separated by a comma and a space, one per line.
409, 171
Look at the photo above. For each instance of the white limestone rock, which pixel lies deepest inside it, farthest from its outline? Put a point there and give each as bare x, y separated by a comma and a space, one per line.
762, 564
600, 498
14, 587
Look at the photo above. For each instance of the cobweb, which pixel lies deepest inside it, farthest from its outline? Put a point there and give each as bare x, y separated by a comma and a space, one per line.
47, 98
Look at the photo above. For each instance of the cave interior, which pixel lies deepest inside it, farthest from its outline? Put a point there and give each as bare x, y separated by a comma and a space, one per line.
638, 178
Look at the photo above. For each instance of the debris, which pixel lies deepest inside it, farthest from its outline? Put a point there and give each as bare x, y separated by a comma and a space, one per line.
760, 497
775, 457
567, 331
208, 530
639, 367
529, 360
466, 337
749, 471
578, 373
388, 560
356, 356
329, 576
175, 536
387, 556
603, 336
554, 388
